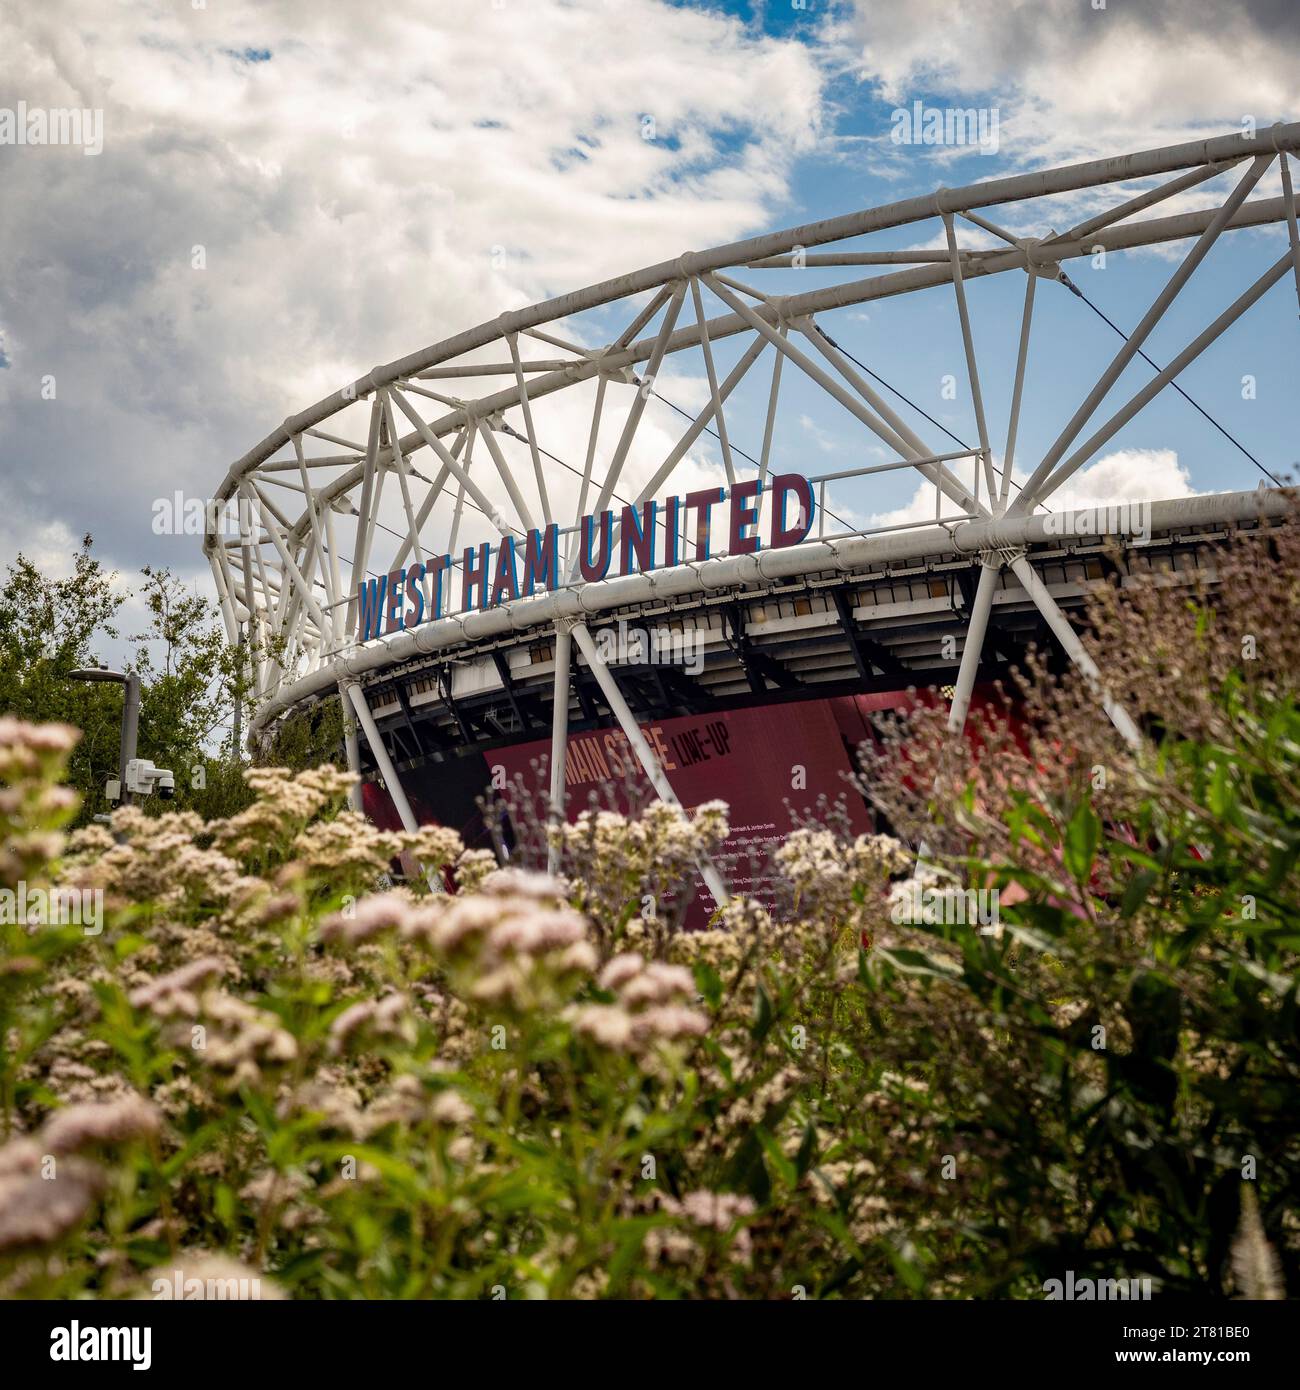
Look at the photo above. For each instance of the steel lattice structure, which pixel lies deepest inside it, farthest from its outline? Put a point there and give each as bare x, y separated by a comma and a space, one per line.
416, 466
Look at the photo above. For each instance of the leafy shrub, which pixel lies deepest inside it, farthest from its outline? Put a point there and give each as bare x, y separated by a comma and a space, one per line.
269, 1065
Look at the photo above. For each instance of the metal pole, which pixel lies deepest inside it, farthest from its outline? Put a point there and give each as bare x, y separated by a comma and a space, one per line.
352, 745
559, 734
522, 510
712, 374
387, 771
386, 768
976, 627
237, 722
130, 726
1009, 454
645, 755
522, 386
1068, 639
1292, 229
972, 369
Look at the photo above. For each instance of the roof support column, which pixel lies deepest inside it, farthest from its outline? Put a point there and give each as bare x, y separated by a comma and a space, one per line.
645, 755
559, 737
387, 771
386, 768
1069, 639
976, 626
352, 746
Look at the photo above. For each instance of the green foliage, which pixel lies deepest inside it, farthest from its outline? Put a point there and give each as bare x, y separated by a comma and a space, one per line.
531, 1089
189, 678
1134, 1048
48, 628
310, 737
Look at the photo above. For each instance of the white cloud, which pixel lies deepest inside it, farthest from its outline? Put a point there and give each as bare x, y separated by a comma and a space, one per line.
48, 544
389, 176
1127, 475
826, 442
1070, 80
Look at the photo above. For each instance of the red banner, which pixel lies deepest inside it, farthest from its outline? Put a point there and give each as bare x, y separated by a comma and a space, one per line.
756, 760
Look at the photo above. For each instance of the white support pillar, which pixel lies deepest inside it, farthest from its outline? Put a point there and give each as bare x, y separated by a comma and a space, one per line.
645, 755
968, 341
353, 747
1017, 394
559, 732
1293, 230
976, 626
386, 768
1069, 639
712, 373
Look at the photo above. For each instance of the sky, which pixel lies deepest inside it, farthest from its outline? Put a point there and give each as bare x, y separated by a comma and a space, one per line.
290, 192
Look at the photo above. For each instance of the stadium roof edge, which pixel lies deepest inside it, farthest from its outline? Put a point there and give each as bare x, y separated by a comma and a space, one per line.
846, 554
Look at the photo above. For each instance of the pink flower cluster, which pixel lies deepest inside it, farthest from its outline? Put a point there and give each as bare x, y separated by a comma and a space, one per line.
648, 1010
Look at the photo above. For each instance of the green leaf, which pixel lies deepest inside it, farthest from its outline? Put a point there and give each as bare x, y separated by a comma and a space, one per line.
763, 1015
709, 984
1136, 892
224, 1203
918, 963
1079, 847
785, 1170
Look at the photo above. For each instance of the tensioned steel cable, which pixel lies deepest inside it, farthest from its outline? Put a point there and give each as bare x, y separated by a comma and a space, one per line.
1075, 290
862, 366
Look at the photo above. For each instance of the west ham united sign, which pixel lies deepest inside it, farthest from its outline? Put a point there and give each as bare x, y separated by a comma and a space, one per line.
646, 537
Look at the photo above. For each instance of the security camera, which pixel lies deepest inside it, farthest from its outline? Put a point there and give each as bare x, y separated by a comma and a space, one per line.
142, 777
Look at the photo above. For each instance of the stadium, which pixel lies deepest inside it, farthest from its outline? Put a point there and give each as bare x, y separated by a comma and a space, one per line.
590, 536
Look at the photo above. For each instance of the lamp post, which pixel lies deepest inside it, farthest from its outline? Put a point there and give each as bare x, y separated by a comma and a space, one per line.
130, 715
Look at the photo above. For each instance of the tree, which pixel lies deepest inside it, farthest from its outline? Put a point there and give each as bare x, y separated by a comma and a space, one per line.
48, 628
190, 678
